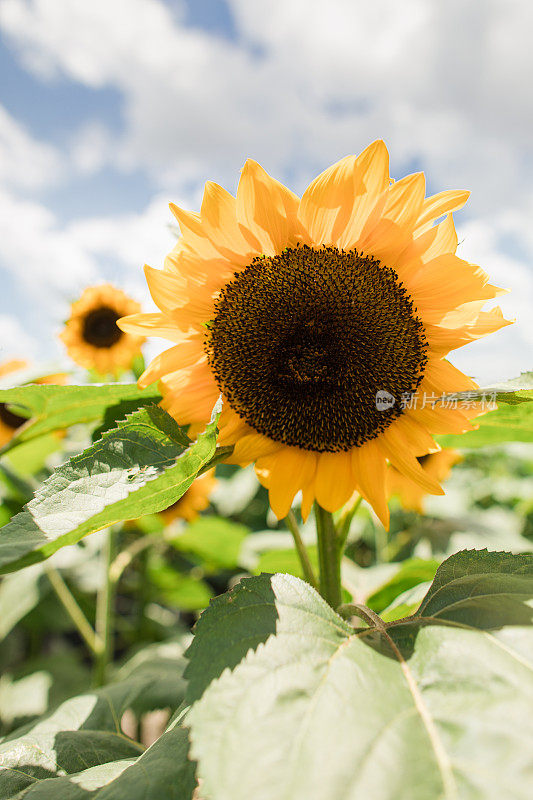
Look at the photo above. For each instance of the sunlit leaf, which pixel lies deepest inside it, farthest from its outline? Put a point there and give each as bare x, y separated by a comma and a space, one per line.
142, 466
50, 407
435, 705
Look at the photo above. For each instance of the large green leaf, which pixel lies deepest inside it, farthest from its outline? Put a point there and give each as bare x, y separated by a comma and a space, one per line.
512, 421
85, 731
235, 622
51, 408
142, 466
432, 706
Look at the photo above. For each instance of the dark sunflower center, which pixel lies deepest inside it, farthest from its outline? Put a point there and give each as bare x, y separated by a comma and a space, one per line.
13, 421
316, 347
100, 327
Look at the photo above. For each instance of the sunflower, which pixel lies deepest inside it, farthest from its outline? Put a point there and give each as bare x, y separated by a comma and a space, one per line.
91, 335
195, 499
411, 495
320, 319
10, 422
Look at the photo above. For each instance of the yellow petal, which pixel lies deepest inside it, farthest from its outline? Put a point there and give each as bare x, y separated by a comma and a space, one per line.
193, 233
182, 356
441, 420
151, 325
219, 218
308, 498
438, 240
336, 205
267, 209
291, 470
390, 236
334, 483
404, 200
251, 447
438, 204
371, 181
369, 470
190, 394
167, 288
441, 377
401, 451
445, 284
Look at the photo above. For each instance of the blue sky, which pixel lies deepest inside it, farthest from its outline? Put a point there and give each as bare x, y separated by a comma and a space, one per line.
109, 110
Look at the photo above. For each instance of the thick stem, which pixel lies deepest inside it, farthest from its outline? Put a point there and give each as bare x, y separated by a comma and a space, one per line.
329, 557
303, 555
105, 602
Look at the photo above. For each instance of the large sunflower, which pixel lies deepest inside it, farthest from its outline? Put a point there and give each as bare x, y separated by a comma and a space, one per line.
91, 335
411, 495
310, 316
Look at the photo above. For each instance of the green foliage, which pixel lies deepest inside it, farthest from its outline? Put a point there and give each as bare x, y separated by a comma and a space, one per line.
50, 408
177, 588
412, 709
281, 695
142, 466
19, 593
80, 747
512, 421
410, 573
215, 541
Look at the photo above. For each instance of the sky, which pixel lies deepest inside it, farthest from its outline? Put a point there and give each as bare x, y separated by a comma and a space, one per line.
111, 110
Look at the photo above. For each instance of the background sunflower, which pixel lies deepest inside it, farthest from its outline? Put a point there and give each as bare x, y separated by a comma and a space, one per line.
91, 335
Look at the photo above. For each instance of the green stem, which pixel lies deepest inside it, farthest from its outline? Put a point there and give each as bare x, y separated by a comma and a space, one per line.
73, 610
105, 602
126, 556
346, 521
305, 561
329, 557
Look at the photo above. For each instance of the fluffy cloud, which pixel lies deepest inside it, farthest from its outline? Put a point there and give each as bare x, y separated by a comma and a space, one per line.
300, 85
15, 342
25, 163
442, 82
52, 263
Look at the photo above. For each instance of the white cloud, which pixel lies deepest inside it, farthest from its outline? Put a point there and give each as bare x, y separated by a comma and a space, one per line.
25, 163
15, 342
305, 83
52, 263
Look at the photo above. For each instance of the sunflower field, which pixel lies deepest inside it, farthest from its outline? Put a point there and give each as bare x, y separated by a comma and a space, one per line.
292, 556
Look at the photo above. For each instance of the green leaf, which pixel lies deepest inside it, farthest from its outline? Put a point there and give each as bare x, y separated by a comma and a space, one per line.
163, 771
214, 540
481, 588
52, 408
19, 594
142, 466
30, 456
419, 708
234, 623
512, 421
85, 731
184, 591
281, 560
